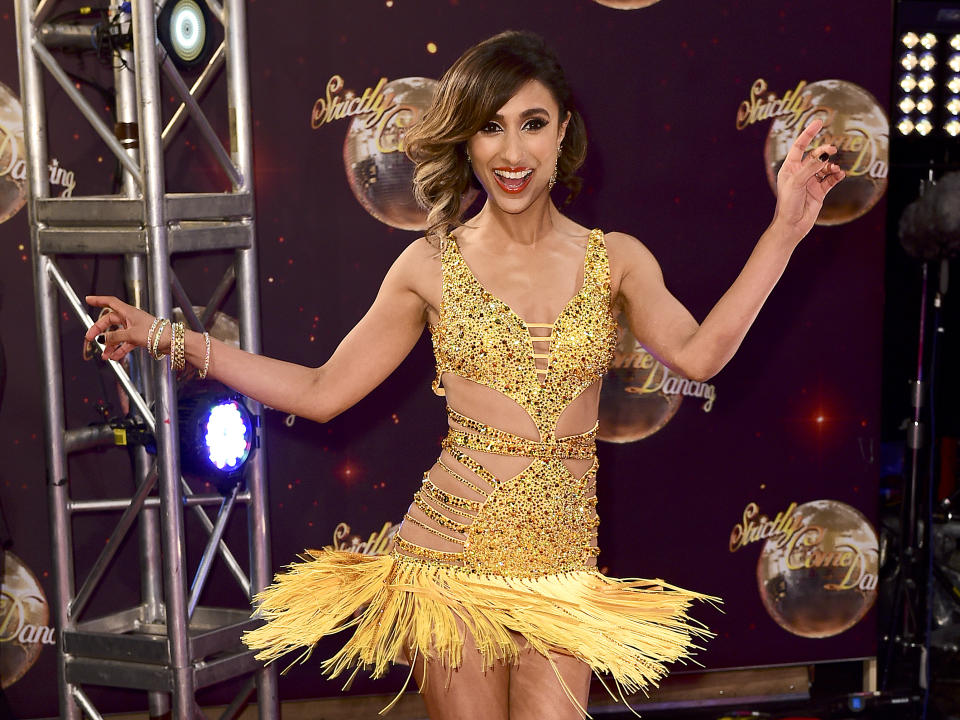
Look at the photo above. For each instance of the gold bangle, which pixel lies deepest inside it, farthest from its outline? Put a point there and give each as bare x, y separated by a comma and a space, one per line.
150, 333
154, 351
177, 354
206, 356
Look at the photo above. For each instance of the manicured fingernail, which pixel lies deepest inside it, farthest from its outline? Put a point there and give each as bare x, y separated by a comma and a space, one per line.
101, 339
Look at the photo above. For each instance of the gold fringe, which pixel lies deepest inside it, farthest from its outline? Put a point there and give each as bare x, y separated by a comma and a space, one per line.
630, 628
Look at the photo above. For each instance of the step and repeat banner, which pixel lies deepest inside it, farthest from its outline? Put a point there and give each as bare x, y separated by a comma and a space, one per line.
759, 485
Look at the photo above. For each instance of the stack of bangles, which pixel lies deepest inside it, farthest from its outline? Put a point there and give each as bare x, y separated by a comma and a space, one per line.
178, 355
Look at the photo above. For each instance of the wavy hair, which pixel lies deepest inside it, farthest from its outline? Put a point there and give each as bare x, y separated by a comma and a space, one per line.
475, 87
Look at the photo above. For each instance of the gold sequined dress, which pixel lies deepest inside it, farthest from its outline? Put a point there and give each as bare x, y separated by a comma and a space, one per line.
511, 560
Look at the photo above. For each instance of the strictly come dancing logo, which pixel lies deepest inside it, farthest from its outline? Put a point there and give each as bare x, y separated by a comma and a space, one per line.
378, 170
24, 618
377, 543
13, 161
853, 121
817, 572
640, 394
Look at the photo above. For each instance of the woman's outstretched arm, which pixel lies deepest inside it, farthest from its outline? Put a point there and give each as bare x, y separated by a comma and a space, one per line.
699, 350
365, 357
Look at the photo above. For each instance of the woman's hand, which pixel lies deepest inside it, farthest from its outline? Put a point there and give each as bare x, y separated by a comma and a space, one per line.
133, 323
803, 183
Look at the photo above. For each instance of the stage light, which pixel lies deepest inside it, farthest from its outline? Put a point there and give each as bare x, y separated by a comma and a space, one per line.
217, 435
955, 41
928, 61
908, 82
183, 28
925, 105
905, 126
906, 104
910, 39
929, 40
924, 126
926, 83
953, 105
952, 127
954, 62
953, 84
909, 61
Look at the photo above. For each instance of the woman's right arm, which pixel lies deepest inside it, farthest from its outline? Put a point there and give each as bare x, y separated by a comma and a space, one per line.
366, 356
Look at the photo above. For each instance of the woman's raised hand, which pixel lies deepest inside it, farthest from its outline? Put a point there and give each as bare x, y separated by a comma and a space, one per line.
133, 323
803, 182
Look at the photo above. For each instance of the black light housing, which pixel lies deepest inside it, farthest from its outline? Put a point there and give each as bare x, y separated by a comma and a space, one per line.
183, 28
217, 437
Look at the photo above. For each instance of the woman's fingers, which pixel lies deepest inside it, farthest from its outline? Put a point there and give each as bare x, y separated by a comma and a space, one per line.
103, 323
795, 154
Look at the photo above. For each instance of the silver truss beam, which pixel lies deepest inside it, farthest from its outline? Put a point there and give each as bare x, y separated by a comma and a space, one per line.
168, 645
193, 107
197, 90
92, 116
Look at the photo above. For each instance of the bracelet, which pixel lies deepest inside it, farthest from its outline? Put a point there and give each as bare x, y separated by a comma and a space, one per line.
156, 339
206, 356
177, 353
150, 333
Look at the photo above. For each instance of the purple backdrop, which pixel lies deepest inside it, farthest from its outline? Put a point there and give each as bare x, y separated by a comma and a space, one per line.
659, 89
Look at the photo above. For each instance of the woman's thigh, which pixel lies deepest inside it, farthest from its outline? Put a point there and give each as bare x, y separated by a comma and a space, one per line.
468, 692
536, 692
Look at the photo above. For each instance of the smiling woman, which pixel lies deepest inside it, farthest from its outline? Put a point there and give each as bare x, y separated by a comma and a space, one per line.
491, 78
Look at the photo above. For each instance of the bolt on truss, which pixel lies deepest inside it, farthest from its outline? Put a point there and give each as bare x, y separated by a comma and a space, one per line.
168, 645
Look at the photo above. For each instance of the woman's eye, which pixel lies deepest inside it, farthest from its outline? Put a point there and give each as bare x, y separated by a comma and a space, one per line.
535, 124
490, 127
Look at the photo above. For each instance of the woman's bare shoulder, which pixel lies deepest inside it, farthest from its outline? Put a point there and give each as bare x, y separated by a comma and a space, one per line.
418, 268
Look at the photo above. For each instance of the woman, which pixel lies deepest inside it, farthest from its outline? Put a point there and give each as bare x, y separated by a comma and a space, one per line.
491, 591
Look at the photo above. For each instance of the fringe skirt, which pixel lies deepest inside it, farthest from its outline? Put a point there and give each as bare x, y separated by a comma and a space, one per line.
630, 629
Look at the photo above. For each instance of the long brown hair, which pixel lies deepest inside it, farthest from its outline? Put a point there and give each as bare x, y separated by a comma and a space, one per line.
475, 87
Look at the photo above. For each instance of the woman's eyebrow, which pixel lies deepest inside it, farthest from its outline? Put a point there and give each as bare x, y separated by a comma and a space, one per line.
525, 114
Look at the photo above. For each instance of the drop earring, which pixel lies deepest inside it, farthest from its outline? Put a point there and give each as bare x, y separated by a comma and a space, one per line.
553, 178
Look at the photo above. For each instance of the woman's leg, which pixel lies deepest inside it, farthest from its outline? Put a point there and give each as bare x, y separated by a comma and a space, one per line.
536, 693
467, 693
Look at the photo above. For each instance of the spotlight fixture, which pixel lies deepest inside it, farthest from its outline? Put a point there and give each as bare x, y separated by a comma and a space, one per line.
217, 436
927, 80
183, 28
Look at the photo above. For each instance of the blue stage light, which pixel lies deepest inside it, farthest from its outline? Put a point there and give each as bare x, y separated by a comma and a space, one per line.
217, 436
228, 436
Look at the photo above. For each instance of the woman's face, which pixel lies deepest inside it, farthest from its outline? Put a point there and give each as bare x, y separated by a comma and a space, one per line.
515, 153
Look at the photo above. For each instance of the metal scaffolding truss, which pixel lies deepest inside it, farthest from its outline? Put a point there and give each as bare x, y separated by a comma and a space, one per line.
167, 645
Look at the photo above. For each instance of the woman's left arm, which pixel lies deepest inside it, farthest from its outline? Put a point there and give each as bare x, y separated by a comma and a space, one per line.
668, 330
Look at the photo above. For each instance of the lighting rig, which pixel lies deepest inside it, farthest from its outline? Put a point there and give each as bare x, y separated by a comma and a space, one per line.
921, 604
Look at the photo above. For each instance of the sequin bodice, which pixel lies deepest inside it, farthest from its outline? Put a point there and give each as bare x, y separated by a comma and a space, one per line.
542, 520
480, 338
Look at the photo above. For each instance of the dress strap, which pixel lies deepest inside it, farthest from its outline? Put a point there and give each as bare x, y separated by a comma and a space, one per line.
487, 438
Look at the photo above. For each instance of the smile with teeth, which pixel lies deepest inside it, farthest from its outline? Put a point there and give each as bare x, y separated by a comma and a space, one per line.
513, 180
